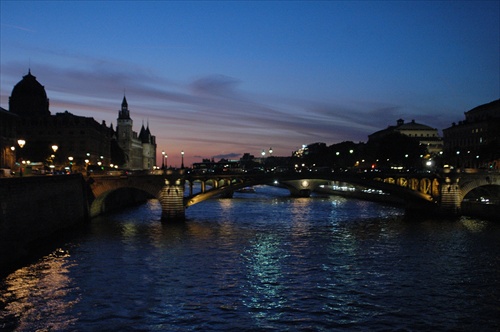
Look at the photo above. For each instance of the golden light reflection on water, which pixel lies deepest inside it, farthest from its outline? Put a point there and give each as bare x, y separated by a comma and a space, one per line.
38, 296
300, 209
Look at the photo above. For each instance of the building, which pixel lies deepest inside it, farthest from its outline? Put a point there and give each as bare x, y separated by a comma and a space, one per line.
65, 141
139, 150
8, 128
425, 135
475, 141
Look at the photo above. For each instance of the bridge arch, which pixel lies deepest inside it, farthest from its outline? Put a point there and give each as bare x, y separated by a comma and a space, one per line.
115, 199
474, 183
111, 192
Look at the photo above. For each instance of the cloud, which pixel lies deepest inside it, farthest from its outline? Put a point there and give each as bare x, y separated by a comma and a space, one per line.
18, 28
211, 114
227, 156
215, 86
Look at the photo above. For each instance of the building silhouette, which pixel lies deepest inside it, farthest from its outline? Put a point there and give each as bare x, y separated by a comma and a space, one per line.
81, 141
424, 134
475, 141
139, 150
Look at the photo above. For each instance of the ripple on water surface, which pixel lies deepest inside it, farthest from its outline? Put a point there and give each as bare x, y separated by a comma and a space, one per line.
263, 262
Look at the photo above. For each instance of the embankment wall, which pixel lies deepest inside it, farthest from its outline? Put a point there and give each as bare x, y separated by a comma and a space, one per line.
34, 208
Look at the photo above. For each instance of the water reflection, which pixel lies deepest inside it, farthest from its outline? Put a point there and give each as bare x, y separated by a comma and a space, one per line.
474, 225
263, 262
263, 290
39, 296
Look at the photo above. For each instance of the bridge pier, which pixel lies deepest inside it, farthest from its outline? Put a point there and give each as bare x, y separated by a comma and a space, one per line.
450, 198
171, 197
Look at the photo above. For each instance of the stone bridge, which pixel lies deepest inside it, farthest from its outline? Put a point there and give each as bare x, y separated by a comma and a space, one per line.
440, 193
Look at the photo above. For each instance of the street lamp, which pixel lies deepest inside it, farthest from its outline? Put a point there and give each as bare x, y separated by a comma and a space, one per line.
182, 159
53, 157
70, 164
21, 144
163, 159
270, 151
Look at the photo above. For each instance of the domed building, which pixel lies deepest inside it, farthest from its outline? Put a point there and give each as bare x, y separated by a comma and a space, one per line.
29, 98
64, 141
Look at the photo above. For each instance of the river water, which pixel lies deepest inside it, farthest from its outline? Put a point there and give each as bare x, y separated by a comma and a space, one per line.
263, 262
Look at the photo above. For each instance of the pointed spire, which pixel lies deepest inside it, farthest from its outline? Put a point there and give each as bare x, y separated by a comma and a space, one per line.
124, 112
124, 103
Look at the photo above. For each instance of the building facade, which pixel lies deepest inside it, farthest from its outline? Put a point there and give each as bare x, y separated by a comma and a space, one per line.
475, 141
8, 143
425, 135
139, 149
62, 141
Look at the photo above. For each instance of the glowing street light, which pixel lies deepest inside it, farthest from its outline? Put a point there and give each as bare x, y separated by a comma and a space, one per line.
163, 159
54, 148
70, 164
182, 159
21, 144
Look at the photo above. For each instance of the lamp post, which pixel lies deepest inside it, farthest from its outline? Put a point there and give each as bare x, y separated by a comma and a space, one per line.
70, 164
166, 161
12, 158
270, 152
54, 148
163, 159
182, 159
21, 144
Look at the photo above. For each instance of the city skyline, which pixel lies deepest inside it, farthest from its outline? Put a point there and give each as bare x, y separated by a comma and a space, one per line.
219, 79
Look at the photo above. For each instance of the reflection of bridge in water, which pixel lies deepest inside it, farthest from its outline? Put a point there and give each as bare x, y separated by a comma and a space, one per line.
437, 193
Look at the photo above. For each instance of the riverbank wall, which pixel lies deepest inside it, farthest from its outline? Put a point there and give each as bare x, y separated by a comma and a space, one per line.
35, 208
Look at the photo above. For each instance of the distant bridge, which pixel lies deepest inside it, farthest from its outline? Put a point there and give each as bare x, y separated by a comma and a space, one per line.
442, 193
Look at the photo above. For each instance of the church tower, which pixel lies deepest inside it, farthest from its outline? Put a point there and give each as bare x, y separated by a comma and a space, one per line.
124, 132
130, 143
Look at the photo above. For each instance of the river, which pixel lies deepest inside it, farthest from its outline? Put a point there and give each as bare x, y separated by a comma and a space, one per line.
263, 261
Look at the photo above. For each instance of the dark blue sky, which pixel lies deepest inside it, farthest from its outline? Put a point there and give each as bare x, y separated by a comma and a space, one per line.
224, 78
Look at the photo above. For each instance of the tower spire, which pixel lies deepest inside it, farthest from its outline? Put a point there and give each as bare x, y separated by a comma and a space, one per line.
124, 113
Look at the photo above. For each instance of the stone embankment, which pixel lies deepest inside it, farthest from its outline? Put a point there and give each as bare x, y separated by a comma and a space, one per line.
34, 208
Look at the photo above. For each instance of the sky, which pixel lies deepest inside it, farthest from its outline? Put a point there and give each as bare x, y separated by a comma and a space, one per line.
219, 79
